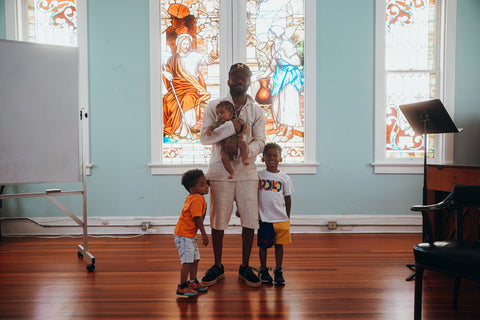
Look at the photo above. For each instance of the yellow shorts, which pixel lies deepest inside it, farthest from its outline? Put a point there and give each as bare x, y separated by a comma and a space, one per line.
222, 196
271, 233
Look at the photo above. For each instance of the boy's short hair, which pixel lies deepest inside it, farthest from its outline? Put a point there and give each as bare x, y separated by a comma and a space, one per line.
227, 104
272, 145
190, 178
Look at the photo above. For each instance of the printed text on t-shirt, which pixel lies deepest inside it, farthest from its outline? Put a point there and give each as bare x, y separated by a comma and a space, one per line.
271, 185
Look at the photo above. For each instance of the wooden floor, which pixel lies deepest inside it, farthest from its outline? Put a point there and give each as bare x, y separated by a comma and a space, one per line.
334, 276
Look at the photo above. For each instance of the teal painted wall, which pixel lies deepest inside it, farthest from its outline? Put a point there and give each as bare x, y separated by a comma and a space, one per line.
121, 183
467, 84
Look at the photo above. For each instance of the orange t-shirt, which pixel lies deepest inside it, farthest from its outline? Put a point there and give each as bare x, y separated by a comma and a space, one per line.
195, 206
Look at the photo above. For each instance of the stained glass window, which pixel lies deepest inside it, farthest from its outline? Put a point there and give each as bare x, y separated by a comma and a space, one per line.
275, 53
411, 71
190, 55
52, 22
190, 72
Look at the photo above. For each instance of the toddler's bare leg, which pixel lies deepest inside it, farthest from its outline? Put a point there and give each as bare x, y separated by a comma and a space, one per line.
227, 164
244, 151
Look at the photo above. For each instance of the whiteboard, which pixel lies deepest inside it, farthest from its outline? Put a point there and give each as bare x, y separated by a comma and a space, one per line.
39, 114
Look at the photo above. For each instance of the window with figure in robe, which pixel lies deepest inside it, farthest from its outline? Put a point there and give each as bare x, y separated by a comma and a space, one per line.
190, 72
186, 90
275, 48
274, 51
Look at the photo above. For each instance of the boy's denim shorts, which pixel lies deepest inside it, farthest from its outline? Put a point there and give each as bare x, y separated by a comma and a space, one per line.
187, 249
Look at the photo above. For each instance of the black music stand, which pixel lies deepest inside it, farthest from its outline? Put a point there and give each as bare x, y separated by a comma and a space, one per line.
427, 117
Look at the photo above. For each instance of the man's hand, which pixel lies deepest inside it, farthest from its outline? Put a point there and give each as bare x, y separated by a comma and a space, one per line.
209, 130
237, 126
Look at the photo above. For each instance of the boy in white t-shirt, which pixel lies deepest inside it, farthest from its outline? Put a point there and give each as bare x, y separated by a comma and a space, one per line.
274, 204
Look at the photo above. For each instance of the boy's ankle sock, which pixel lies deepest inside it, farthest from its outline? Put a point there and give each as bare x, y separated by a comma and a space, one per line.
183, 285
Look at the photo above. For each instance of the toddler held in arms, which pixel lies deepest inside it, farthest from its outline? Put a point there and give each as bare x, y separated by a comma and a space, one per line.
232, 144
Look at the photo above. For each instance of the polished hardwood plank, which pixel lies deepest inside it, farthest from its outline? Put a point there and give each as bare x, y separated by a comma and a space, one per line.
329, 276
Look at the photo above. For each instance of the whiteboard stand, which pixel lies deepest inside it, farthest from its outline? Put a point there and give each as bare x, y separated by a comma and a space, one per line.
41, 136
52, 194
83, 250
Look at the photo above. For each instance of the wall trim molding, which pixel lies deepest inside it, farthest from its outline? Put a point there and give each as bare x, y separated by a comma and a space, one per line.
64, 226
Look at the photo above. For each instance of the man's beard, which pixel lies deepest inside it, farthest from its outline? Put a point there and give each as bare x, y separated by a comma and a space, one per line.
238, 91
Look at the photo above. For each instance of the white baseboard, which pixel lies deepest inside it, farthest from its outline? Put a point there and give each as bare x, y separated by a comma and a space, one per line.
64, 226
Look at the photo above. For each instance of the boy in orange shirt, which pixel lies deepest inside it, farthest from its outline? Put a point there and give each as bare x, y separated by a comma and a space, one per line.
190, 221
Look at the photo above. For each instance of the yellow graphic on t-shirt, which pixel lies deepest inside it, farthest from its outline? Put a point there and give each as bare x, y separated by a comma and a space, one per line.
271, 185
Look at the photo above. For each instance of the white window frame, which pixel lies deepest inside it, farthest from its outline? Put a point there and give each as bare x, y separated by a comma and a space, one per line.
228, 8
16, 24
446, 17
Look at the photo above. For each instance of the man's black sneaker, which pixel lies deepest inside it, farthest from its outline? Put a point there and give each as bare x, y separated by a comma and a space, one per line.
278, 277
212, 275
264, 275
247, 274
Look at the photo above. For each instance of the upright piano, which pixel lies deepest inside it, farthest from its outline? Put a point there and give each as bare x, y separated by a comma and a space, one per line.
440, 182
